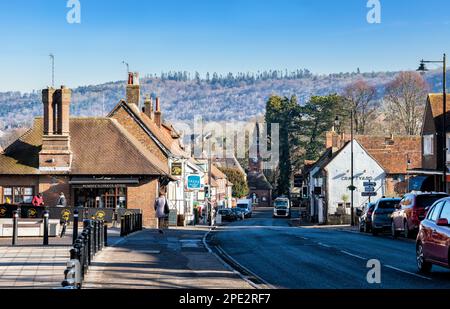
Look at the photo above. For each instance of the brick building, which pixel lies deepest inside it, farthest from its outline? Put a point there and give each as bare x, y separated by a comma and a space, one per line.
96, 162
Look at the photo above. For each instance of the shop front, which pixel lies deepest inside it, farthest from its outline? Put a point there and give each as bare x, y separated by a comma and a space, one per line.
101, 192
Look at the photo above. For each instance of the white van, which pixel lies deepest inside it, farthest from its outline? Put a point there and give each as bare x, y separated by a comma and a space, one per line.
246, 206
282, 208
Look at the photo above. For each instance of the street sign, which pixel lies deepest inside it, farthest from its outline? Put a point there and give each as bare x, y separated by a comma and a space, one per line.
369, 189
368, 194
369, 184
194, 182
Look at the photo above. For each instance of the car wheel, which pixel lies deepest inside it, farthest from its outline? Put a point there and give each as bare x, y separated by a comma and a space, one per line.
422, 264
393, 231
366, 227
374, 231
406, 232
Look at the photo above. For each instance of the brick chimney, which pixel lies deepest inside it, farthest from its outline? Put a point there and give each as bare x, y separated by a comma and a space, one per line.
133, 89
56, 155
148, 107
157, 114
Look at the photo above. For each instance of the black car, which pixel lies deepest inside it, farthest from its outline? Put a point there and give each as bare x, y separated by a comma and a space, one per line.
227, 215
365, 222
240, 213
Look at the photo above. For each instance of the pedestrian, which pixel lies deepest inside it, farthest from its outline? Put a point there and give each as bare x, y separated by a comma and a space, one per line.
161, 210
62, 201
38, 200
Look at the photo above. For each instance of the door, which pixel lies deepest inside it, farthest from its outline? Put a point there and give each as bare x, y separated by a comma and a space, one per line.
440, 236
430, 230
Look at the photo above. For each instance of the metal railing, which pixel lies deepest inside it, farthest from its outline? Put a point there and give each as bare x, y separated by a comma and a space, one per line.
86, 245
130, 223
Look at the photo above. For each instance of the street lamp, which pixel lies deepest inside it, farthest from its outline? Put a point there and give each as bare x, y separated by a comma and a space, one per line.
422, 69
208, 137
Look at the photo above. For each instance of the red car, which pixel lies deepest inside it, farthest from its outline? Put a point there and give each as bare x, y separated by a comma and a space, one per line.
433, 241
411, 211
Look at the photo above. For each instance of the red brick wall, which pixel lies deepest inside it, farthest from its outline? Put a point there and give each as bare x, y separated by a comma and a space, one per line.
133, 128
143, 197
52, 186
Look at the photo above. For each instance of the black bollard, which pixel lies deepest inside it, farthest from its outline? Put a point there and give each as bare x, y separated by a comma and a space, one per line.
99, 236
122, 226
46, 216
75, 226
105, 235
15, 227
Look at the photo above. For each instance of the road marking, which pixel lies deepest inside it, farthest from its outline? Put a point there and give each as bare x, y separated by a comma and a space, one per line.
324, 245
354, 255
407, 272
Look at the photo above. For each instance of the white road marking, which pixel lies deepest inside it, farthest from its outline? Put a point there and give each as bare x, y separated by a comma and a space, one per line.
354, 255
324, 245
407, 272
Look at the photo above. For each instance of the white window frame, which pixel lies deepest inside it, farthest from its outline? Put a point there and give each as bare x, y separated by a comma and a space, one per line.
428, 145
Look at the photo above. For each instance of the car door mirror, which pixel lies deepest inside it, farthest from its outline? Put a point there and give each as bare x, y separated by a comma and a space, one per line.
442, 222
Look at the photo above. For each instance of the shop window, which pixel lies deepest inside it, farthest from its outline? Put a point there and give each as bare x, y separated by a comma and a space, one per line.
18, 195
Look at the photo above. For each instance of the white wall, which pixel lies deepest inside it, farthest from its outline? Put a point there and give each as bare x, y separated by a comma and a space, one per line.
339, 177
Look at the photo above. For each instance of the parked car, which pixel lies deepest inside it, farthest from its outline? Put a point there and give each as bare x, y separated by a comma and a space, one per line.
227, 215
282, 208
365, 221
239, 213
433, 240
411, 211
246, 206
381, 216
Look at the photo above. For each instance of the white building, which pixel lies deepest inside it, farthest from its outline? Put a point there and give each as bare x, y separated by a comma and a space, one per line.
330, 178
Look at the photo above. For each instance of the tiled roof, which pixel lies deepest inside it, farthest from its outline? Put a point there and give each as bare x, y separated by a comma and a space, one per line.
258, 181
100, 146
436, 103
393, 154
160, 133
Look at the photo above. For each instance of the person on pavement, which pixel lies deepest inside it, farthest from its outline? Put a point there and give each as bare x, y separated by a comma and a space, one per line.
62, 201
161, 211
38, 200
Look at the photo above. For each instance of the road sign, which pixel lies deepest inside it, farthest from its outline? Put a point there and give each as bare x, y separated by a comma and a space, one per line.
369, 184
368, 194
194, 182
369, 189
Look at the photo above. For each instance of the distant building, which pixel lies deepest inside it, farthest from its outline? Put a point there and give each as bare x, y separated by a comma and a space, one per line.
259, 187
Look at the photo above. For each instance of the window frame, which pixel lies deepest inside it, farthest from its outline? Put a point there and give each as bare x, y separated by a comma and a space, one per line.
21, 195
428, 145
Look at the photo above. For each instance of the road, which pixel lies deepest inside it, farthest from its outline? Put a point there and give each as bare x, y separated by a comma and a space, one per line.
321, 258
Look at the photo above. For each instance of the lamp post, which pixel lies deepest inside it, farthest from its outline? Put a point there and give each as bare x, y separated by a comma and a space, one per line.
422, 69
352, 166
210, 208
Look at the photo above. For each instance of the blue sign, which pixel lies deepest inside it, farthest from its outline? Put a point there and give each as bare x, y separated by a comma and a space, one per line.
194, 182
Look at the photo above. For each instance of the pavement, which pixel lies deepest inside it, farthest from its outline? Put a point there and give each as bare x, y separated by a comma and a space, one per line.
177, 259
29, 265
322, 257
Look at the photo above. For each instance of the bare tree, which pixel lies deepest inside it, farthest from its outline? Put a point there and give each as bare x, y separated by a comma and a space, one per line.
405, 102
361, 97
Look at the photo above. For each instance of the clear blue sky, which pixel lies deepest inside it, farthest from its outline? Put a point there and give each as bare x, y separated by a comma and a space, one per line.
213, 35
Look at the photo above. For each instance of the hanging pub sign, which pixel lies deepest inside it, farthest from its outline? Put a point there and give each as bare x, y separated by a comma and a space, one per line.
177, 169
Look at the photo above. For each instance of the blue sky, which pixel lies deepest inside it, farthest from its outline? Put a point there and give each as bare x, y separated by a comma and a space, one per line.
324, 36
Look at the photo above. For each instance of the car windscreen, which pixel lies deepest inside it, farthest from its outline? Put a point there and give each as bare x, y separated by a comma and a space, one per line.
244, 206
428, 199
281, 204
388, 204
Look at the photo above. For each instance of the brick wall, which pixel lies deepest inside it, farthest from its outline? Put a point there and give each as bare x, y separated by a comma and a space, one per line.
52, 186
143, 197
133, 128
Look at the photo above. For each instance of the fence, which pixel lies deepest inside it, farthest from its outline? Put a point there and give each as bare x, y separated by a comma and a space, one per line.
130, 223
64, 213
92, 240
